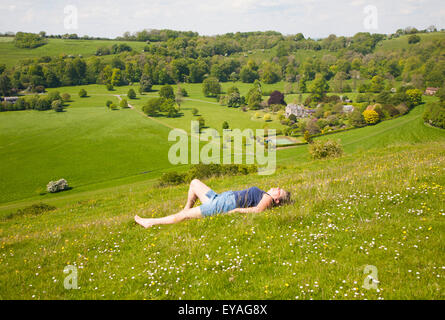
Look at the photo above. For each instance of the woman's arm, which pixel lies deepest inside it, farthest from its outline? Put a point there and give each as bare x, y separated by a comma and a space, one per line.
265, 202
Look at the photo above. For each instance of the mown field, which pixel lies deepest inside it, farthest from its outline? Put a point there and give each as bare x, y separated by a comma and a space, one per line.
11, 55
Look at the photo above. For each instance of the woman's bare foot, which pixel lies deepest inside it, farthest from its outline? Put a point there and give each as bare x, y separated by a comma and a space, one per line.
146, 223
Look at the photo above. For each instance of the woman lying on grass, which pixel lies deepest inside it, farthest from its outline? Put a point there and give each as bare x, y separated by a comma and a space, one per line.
244, 201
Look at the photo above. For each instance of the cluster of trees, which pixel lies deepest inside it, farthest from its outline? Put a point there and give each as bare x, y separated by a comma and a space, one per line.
53, 100
349, 63
163, 105
28, 40
114, 49
434, 113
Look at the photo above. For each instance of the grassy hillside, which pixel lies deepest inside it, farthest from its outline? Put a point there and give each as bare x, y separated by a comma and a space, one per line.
11, 55
402, 41
89, 144
348, 213
94, 148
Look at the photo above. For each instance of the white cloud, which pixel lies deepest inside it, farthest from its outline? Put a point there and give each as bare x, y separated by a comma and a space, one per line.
313, 18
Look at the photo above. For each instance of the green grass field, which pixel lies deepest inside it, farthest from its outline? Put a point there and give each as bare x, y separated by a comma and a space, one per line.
402, 41
381, 204
348, 213
11, 55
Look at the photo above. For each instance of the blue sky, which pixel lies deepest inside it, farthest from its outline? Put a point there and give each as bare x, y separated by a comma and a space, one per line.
314, 18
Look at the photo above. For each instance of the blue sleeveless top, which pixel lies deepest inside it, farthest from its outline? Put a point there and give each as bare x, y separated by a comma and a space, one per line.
248, 197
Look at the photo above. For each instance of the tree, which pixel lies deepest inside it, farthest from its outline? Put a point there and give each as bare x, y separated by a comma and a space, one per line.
66, 97
254, 100
414, 38
414, 97
57, 105
267, 117
319, 88
225, 125
234, 100
108, 103
167, 92
276, 97
172, 112
371, 116
270, 72
201, 123
377, 84
312, 127
179, 96
5, 85
145, 84
195, 111
307, 137
356, 119
211, 87
82, 93
151, 108
131, 94
248, 75
232, 90
116, 77
123, 103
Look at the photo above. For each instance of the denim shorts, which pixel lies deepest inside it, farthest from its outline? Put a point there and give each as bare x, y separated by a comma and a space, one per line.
218, 203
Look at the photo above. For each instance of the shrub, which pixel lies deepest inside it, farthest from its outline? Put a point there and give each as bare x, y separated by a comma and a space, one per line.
113, 106
110, 87
267, 117
203, 171
371, 116
131, 94
28, 40
414, 38
108, 103
56, 186
402, 108
145, 84
66, 97
167, 92
414, 96
201, 123
82, 93
434, 114
225, 125
123, 103
321, 149
39, 89
195, 111
171, 179
356, 119
211, 87
57, 105
34, 209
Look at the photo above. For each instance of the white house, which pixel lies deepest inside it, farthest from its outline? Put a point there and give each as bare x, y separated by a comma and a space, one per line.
298, 110
348, 108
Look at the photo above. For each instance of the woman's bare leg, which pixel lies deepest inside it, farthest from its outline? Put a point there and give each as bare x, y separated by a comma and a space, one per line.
197, 189
182, 215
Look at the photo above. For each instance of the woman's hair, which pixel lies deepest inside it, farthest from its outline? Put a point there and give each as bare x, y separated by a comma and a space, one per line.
286, 198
